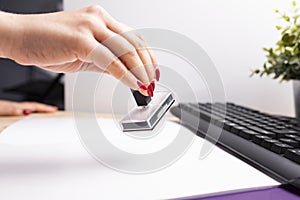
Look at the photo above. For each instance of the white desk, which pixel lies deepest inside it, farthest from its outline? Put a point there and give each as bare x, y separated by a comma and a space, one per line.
40, 161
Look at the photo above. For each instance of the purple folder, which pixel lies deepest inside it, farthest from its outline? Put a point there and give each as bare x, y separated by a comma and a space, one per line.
266, 193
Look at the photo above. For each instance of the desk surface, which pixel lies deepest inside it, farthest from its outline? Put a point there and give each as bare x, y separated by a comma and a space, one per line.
6, 121
57, 165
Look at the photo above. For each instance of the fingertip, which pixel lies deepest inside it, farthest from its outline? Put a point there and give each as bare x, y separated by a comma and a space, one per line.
157, 74
150, 90
15, 112
144, 92
153, 85
26, 111
141, 85
53, 109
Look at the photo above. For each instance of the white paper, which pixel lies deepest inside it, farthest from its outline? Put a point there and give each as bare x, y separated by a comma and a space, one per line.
42, 158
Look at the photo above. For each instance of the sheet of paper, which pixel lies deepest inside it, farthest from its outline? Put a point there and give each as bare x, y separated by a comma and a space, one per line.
42, 158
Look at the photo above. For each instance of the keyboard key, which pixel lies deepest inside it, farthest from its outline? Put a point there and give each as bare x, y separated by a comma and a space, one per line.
290, 120
292, 136
290, 142
228, 125
247, 134
262, 131
269, 134
220, 122
283, 132
268, 143
279, 127
262, 126
296, 128
244, 124
280, 148
293, 154
249, 121
236, 129
259, 138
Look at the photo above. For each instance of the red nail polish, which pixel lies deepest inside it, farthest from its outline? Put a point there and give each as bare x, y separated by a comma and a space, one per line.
150, 87
153, 85
27, 112
157, 74
150, 92
141, 85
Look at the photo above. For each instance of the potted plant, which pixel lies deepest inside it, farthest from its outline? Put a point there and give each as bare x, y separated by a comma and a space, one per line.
283, 61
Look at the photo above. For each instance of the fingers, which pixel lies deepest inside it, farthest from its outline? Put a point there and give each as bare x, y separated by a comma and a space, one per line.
102, 57
127, 53
9, 108
137, 41
124, 56
155, 65
36, 107
137, 62
141, 48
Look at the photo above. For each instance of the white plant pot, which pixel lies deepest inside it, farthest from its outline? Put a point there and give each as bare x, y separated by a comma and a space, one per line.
296, 88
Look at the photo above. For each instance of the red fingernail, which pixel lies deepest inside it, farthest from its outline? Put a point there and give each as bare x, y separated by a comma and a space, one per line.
141, 85
150, 87
150, 92
157, 74
153, 85
27, 112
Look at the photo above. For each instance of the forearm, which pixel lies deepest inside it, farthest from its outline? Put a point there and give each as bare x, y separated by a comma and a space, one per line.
77, 40
10, 32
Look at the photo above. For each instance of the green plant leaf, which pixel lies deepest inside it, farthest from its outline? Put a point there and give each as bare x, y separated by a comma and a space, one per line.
285, 30
286, 18
283, 60
288, 39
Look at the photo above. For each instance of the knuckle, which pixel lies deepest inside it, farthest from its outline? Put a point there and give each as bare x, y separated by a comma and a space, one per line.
89, 21
140, 36
131, 54
118, 76
26, 103
140, 44
14, 111
116, 69
95, 10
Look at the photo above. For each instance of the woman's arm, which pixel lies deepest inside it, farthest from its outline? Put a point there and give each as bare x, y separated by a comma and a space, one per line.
87, 39
9, 31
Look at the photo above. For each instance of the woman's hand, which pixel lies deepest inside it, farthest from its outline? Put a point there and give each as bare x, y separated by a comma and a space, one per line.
9, 108
87, 39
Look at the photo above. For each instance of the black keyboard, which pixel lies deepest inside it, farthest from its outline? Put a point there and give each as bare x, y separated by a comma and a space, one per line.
270, 143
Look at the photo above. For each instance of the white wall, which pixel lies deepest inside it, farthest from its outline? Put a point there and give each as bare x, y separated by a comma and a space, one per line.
232, 32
